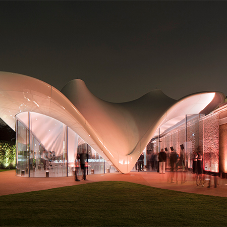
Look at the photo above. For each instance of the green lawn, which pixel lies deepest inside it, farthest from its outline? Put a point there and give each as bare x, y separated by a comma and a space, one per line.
112, 204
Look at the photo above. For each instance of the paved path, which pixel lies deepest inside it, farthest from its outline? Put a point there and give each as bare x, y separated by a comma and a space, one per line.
11, 184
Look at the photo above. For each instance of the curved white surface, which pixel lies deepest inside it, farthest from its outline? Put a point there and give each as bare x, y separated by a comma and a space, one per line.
119, 132
126, 128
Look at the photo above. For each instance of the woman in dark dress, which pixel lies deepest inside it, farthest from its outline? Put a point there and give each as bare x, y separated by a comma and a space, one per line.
194, 167
199, 169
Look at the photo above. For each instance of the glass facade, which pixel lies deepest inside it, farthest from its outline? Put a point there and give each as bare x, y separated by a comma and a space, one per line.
47, 148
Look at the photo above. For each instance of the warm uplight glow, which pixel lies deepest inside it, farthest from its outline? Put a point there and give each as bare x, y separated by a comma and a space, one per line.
225, 166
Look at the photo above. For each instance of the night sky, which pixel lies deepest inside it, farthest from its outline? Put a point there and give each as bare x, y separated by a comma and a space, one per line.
121, 50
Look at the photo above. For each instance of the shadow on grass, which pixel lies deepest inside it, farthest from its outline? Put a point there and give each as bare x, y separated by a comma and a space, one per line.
111, 204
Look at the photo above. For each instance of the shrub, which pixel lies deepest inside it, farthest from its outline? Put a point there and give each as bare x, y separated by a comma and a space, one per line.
7, 155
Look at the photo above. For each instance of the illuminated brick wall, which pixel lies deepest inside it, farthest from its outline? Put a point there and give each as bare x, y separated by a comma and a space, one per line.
211, 142
223, 147
193, 132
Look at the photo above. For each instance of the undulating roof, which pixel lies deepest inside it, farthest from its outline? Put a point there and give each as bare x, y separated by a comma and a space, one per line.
118, 131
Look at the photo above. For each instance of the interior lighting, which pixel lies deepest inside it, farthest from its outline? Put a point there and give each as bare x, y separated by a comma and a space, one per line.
36, 103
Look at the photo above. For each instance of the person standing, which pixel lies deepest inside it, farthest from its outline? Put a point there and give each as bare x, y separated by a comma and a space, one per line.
77, 166
173, 160
148, 161
141, 162
83, 158
194, 167
199, 169
182, 163
162, 161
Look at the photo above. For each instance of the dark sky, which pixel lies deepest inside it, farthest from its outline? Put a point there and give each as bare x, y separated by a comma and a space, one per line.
121, 50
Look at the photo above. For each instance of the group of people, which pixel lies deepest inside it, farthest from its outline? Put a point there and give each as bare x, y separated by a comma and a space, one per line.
178, 161
174, 158
154, 161
81, 163
158, 162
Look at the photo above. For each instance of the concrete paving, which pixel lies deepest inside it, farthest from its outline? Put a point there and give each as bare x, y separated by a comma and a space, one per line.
12, 184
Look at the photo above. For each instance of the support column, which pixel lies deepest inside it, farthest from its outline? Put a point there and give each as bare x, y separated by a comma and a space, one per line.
104, 166
87, 159
28, 145
16, 129
66, 149
186, 139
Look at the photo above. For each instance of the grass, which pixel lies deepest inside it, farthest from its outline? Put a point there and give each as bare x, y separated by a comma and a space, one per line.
112, 204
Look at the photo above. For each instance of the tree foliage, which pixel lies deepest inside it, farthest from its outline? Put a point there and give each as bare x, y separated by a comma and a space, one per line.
7, 155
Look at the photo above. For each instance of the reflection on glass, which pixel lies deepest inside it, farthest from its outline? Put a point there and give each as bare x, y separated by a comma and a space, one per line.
22, 150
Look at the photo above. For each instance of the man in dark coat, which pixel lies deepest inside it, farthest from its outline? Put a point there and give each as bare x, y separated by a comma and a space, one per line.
141, 162
173, 160
83, 160
162, 161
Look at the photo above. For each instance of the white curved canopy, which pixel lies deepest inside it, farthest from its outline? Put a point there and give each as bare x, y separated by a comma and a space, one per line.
118, 132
